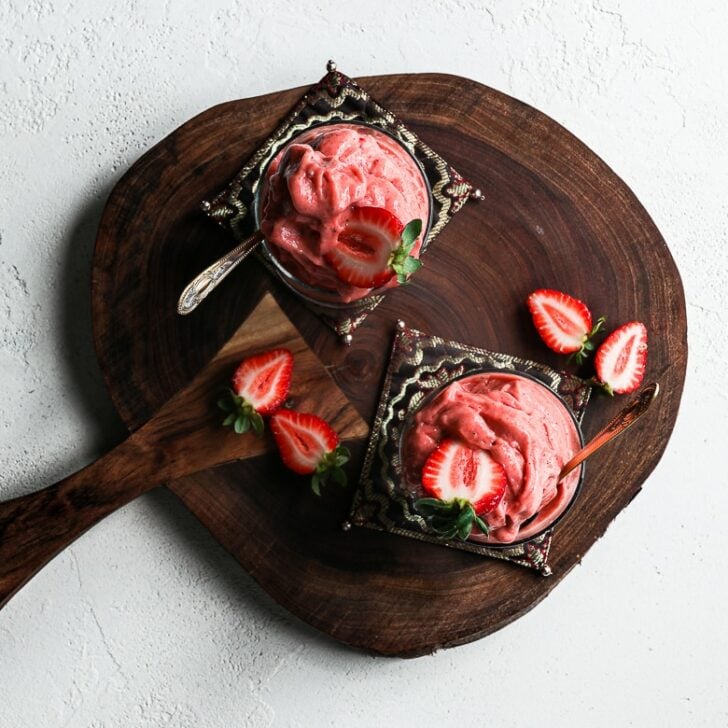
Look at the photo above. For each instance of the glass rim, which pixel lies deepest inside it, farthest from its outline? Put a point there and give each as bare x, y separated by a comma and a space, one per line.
306, 290
514, 372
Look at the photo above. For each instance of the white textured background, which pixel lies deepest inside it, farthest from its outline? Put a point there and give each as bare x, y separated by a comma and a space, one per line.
145, 621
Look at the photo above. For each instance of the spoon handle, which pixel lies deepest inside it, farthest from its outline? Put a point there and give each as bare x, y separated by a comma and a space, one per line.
616, 426
203, 284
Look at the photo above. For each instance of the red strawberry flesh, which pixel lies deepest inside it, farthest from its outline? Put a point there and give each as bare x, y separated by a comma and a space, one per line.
562, 321
303, 439
622, 357
364, 246
454, 470
264, 380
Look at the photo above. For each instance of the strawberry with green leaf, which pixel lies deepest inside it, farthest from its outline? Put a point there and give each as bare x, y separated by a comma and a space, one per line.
451, 520
401, 260
465, 484
308, 445
374, 247
260, 385
563, 322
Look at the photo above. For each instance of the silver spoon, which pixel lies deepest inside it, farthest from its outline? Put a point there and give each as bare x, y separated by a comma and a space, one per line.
616, 426
200, 287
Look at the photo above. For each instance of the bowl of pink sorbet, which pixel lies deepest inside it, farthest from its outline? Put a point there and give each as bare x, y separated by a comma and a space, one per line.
332, 205
495, 421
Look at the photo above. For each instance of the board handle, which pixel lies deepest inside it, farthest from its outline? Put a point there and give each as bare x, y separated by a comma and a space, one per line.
36, 527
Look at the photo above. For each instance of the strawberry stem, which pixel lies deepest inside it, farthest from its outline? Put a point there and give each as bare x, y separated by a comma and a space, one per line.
452, 519
594, 382
400, 260
587, 346
330, 469
240, 414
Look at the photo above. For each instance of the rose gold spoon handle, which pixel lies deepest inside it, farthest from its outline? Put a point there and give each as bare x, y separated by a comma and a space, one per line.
203, 284
616, 426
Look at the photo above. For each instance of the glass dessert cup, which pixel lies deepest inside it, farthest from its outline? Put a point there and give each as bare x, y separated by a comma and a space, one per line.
326, 297
413, 489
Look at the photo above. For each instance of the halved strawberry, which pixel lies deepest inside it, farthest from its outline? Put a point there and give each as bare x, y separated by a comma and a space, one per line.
563, 322
465, 483
260, 386
455, 470
308, 445
621, 358
374, 247
264, 379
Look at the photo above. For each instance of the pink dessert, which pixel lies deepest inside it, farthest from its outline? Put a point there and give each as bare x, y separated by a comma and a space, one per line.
523, 426
314, 183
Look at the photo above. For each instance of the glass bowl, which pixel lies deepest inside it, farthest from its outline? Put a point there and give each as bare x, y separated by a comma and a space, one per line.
324, 297
414, 490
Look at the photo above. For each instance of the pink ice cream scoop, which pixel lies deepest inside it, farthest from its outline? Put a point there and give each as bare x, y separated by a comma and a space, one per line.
314, 183
523, 426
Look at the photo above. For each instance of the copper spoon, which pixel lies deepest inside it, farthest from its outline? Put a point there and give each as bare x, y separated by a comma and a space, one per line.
197, 290
616, 426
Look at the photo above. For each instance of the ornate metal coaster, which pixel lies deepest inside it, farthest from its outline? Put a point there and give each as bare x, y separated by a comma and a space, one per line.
339, 98
419, 365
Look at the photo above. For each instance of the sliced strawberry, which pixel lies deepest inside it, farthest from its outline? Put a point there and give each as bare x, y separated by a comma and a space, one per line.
563, 322
621, 358
374, 247
308, 445
264, 379
457, 471
260, 386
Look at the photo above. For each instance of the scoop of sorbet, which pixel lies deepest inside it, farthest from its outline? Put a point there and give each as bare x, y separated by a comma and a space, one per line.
523, 426
314, 182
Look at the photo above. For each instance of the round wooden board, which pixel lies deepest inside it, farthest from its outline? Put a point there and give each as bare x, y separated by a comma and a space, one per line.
554, 215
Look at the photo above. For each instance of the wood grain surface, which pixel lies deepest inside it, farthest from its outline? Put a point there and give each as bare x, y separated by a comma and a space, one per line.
554, 215
183, 437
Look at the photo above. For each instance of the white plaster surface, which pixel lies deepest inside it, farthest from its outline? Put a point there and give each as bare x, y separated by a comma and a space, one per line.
145, 621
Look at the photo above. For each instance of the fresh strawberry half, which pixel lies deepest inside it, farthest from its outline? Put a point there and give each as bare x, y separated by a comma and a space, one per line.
374, 247
465, 483
260, 386
621, 358
309, 446
563, 322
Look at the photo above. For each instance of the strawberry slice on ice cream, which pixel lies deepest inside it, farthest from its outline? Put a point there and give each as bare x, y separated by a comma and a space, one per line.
374, 247
621, 358
308, 445
465, 483
260, 386
563, 322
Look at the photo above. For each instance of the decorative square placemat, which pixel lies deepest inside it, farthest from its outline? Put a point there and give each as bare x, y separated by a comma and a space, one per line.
336, 97
419, 364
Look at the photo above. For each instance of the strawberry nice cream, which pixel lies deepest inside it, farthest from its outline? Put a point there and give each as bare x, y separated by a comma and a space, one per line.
523, 427
331, 196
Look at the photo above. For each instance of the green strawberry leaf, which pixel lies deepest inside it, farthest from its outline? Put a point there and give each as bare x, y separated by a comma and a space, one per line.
240, 414
400, 261
587, 346
428, 506
316, 484
257, 422
450, 519
482, 525
341, 455
410, 233
330, 469
411, 265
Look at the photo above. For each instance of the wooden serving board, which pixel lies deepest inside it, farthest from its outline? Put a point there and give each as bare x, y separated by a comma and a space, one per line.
554, 215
